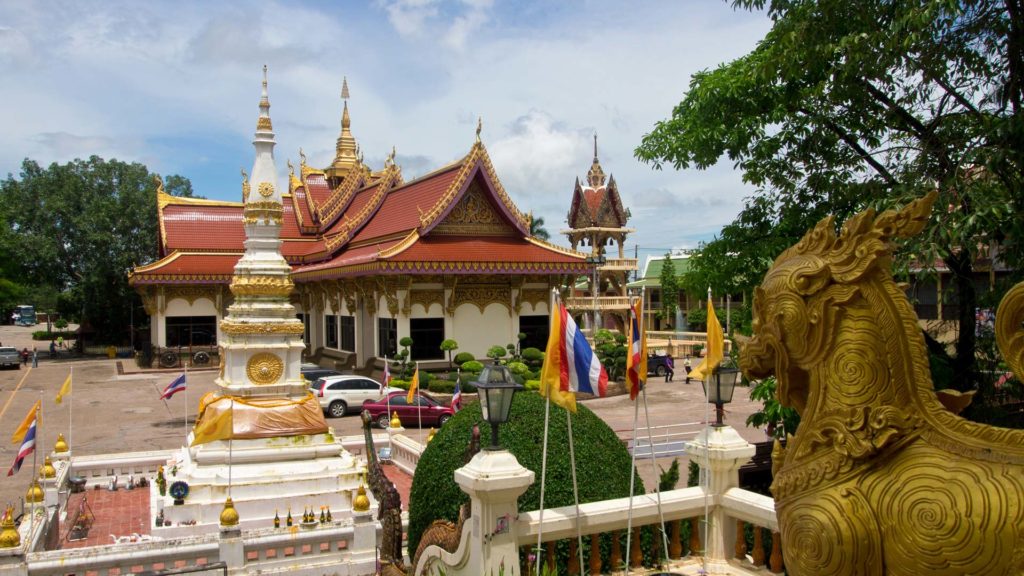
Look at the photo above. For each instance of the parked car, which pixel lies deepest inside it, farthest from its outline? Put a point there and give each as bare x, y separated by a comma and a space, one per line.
425, 410
341, 393
9, 356
314, 373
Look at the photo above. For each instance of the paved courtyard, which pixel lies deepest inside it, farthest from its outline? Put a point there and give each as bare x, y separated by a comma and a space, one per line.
120, 413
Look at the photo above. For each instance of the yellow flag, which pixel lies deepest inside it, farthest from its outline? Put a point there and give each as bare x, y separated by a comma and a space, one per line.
715, 344
552, 373
64, 390
217, 427
19, 434
414, 385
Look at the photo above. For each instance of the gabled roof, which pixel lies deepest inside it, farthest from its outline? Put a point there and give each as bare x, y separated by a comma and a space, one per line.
653, 266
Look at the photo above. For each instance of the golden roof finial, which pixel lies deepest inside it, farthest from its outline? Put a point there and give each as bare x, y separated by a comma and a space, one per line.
479, 127
159, 184
344, 88
291, 169
47, 470
229, 516
595, 177
302, 157
361, 503
595, 146
346, 120
263, 122
35, 493
61, 445
9, 535
245, 185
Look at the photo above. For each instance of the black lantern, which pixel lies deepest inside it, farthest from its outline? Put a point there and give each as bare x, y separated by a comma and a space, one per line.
496, 388
723, 383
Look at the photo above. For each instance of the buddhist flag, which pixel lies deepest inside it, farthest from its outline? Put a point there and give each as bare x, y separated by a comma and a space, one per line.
570, 365
715, 344
414, 386
64, 390
30, 418
217, 427
636, 356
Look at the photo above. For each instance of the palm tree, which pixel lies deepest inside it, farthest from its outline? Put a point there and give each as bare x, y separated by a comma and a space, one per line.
537, 229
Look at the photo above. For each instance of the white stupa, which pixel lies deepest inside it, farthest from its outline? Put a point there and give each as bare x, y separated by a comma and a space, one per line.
280, 455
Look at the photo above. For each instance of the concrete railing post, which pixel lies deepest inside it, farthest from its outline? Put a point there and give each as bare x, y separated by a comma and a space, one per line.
494, 480
363, 557
720, 451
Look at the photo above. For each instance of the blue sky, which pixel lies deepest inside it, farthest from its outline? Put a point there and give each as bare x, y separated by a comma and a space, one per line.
175, 85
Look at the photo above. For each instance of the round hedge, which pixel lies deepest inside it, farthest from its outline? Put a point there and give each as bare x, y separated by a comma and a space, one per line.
602, 461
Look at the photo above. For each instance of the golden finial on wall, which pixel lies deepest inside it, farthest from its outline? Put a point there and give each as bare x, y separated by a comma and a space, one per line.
302, 157
245, 185
159, 184
479, 127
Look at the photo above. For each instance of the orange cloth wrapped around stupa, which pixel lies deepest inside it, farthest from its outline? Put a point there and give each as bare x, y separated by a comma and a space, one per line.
264, 417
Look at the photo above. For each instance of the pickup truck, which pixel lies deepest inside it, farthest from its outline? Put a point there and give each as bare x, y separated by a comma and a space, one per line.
9, 356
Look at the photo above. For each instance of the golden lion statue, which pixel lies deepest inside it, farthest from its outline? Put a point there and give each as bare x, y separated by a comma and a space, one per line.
880, 478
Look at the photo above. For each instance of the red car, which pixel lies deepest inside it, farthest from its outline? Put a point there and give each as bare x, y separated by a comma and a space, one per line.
425, 409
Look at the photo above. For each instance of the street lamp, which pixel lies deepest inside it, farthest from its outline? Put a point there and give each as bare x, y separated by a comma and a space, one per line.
496, 388
725, 380
596, 262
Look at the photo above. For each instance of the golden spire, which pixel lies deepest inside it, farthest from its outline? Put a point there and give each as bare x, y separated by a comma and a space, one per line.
229, 516
47, 470
595, 177
361, 503
9, 535
61, 445
345, 155
263, 123
35, 492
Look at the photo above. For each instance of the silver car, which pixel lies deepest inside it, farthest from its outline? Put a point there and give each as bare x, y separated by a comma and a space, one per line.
340, 394
10, 357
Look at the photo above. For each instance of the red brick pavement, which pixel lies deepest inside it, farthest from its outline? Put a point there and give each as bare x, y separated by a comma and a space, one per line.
120, 513
402, 481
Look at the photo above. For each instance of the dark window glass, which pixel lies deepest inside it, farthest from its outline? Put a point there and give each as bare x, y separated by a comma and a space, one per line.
427, 335
398, 400
387, 337
304, 318
347, 325
186, 331
536, 330
331, 331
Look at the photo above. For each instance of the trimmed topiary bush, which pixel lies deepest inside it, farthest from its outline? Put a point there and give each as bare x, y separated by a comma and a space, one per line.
518, 368
472, 366
602, 462
463, 357
442, 386
533, 356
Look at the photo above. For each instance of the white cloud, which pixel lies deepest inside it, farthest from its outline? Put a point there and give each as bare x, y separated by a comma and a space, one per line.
409, 17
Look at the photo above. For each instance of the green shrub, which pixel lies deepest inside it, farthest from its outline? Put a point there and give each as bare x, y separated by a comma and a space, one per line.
601, 461
441, 386
463, 357
60, 324
518, 368
496, 353
44, 335
533, 356
532, 384
472, 366
397, 383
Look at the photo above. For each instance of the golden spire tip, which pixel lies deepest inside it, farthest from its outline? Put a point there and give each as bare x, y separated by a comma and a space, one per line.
479, 127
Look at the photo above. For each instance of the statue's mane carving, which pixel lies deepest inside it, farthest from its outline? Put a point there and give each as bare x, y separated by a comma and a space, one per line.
879, 473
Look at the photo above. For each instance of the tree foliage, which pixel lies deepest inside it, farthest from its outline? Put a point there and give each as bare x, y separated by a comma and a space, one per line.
669, 290
846, 105
73, 232
537, 229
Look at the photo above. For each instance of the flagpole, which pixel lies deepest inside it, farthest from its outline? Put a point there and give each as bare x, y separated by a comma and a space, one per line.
387, 396
544, 450
575, 488
705, 480
186, 402
35, 459
654, 465
419, 412
71, 412
632, 481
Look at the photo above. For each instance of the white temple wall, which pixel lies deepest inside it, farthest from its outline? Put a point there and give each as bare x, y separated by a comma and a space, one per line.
476, 332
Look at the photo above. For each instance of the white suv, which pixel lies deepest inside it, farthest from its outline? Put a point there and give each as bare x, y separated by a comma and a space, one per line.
339, 394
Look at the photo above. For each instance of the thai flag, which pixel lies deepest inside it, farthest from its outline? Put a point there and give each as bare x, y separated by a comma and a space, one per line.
28, 445
580, 368
174, 387
636, 361
457, 397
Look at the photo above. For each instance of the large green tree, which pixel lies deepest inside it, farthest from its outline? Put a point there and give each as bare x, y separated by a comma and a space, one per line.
855, 103
669, 290
75, 230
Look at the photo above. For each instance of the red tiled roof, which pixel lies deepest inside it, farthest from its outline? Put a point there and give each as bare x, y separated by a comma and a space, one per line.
199, 266
350, 257
203, 227
481, 249
301, 206
317, 190
400, 211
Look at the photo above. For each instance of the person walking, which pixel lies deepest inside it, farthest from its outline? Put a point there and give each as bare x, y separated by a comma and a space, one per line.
24, 357
687, 367
53, 349
35, 357
670, 366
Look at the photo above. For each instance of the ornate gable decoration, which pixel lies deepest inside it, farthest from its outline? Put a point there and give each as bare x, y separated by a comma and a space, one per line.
477, 154
474, 215
349, 226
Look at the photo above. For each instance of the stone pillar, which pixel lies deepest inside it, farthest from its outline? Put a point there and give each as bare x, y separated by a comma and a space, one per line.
494, 480
232, 549
363, 558
720, 451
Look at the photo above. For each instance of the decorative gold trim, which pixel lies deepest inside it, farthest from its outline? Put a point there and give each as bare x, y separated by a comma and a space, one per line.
266, 189
264, 368
350, 225
261, 286
426, 298
402, 246
265, 211
245, 328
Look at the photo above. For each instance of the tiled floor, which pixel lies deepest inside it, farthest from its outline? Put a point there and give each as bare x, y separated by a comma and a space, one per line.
402, 481
120, 513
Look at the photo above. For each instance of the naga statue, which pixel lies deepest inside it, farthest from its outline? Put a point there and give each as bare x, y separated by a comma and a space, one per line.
390, 512
880, 478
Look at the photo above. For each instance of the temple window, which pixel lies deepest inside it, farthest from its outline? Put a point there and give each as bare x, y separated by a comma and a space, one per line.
348, 333
427, 335
331, 331
188, 331
387, 337
536, 330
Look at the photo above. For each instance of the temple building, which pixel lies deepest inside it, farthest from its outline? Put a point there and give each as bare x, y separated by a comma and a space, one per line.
374, 258
597, 220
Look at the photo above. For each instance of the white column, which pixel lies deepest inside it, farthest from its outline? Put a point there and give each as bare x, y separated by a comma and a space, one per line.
232, 549
363, 557
720, 451
494, 480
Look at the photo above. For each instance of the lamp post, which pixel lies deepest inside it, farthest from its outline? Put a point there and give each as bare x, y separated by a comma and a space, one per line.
596, 262
496, 388
722, 386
